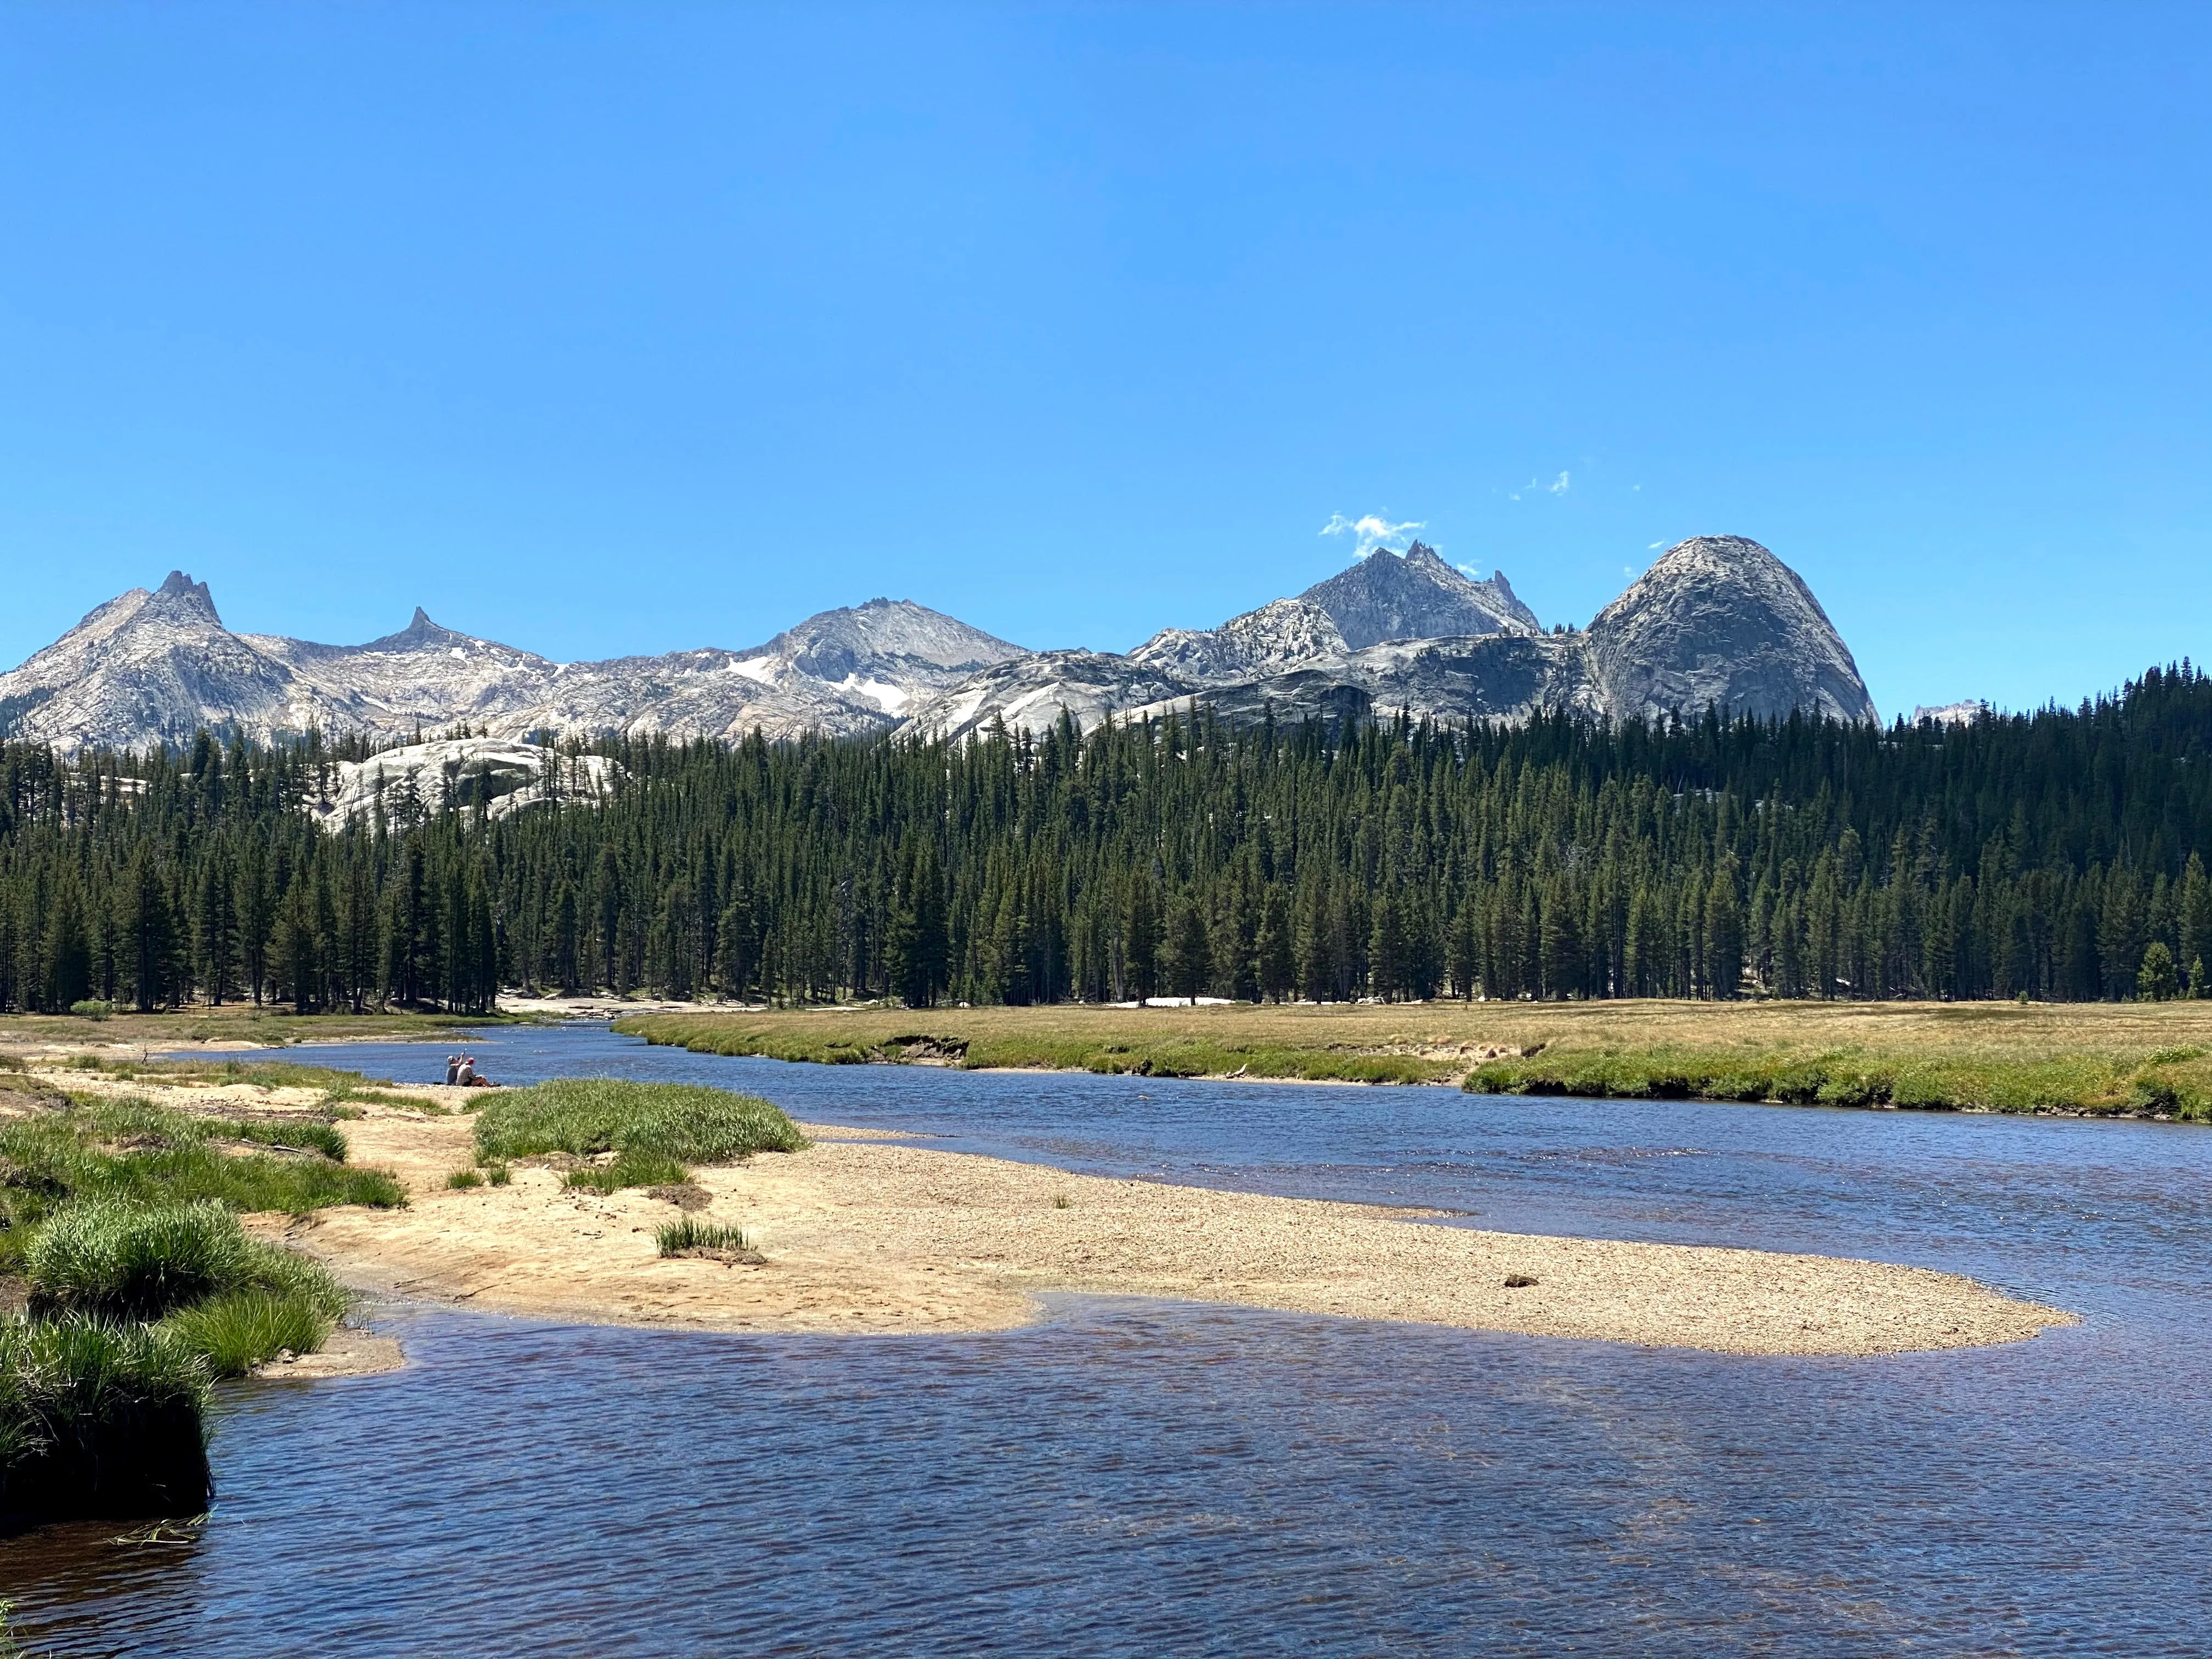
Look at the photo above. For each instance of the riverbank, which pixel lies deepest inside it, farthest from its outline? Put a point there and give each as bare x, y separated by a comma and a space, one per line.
2139, 1059
864, 1234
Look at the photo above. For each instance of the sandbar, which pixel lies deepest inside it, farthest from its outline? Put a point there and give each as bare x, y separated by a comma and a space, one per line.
865, 1235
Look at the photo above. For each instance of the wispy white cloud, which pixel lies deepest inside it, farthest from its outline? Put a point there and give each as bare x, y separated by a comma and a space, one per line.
1653, 546
1373, 529
1473, 573
1558, 486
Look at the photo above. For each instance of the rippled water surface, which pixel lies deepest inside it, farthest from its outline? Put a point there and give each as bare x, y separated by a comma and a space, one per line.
1150, 1478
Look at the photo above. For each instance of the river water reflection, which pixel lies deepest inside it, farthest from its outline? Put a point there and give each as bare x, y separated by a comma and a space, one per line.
1148, 1478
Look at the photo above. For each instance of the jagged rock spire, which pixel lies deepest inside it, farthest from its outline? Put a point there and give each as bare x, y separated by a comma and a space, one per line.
181, 596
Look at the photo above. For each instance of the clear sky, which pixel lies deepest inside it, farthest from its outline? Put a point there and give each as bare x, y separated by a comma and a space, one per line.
602, 328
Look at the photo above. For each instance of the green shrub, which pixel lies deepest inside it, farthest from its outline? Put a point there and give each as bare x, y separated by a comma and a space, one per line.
98, 1418
235, 1333
92, 1010
465, 1178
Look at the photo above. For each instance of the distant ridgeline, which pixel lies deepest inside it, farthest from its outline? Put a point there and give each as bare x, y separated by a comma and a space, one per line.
2058, 854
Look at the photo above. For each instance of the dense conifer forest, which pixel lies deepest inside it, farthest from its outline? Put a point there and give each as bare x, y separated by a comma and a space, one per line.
2058, 856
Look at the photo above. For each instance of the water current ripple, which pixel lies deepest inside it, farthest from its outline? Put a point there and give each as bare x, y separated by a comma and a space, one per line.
1142, 1478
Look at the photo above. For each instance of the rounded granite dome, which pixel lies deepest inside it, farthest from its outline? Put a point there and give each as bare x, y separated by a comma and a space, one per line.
1718, 621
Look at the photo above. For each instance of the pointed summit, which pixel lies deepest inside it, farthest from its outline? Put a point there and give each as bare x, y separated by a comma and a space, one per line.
1415, 595
181, 598
421, 634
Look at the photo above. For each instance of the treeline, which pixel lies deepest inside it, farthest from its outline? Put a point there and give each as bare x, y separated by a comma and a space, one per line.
2057, 856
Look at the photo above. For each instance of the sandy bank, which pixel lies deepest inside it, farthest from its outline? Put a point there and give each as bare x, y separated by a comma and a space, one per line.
869, 1236
865, 1233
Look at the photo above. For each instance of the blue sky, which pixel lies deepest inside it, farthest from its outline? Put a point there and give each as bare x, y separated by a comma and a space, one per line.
624, 328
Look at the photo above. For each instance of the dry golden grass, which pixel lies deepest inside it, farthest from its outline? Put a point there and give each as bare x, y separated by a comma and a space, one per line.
268, 1026
2150, 1058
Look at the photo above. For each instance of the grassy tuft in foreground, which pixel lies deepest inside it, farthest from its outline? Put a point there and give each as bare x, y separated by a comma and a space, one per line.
120, 1218
100, 1418
122, 1259
235, 1333
689, 1233
654, 1129
127, 1149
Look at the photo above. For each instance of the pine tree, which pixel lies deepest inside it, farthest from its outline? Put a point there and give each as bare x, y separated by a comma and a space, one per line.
1188, 959
1276, 960
1140, 937
1723, 944
2155, 981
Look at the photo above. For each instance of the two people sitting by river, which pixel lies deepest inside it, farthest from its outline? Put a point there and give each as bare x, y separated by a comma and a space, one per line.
461, 1073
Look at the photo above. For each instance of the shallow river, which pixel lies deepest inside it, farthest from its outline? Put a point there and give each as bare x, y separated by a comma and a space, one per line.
1148, 1478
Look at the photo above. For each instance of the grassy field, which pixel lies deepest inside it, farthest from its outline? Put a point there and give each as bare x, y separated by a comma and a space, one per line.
2149, 1060
271, 1027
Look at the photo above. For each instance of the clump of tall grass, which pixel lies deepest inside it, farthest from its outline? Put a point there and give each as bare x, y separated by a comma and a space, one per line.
690, 1233
119, 1259
235, 1333
100, 1418
300, 1134
631, 1169
654, 1128
461, 1179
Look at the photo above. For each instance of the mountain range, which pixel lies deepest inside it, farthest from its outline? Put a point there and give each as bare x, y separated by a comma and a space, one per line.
1717, 620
